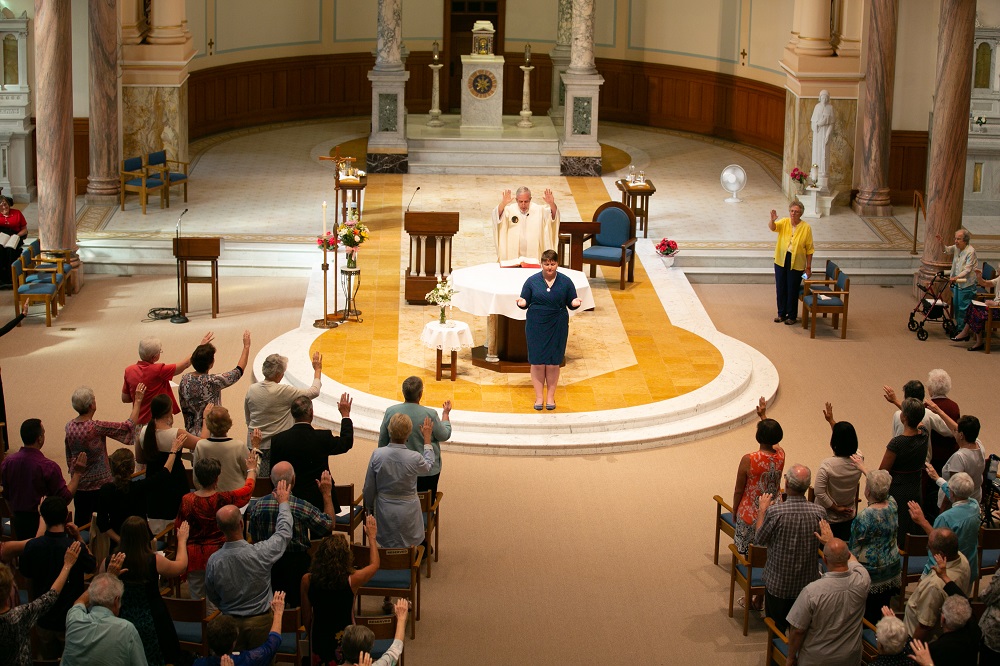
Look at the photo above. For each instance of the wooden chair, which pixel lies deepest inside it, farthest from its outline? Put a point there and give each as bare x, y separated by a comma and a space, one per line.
825, 284
432, 520
749, 573
992, 324
355, 516
6, 527
914, 560
724, 523
191, 620
61, 259
989, 553
262, 487
869, 644
384, 628
157, 163
777, 644
134, 178
34, 292
833, 302
614, 245
398, 576
37, 271
292, 635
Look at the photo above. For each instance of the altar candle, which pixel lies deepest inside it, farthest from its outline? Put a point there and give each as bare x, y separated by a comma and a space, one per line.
436, 52
527, 55
324, 218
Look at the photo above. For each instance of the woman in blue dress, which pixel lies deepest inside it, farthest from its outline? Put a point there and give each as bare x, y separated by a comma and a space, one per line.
546, 296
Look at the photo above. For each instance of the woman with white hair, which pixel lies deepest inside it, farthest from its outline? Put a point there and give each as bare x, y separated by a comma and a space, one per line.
873, 540
86, 435
962, 519
970, 457
892, 640
268, 403
938, 387
963, 276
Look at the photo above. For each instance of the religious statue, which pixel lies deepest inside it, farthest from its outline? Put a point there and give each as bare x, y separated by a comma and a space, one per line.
822, 128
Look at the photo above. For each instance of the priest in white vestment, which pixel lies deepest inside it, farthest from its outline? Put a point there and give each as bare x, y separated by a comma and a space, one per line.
523, 229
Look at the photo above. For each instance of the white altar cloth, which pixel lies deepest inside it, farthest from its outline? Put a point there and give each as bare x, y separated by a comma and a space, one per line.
487, 289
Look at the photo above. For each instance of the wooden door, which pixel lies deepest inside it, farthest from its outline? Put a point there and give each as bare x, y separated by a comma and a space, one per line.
459, 17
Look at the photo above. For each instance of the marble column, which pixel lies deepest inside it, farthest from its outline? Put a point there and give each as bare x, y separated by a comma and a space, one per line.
851, 26
103, 182
388, 54
560, 59
579, 149
581, 54
814, 29
133, 19
54, 117
166, 22
949, 131
796, 22
880, 72
388, 150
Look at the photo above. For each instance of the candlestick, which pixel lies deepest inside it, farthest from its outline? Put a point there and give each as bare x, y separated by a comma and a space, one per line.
527, 54
436, 52
324, 218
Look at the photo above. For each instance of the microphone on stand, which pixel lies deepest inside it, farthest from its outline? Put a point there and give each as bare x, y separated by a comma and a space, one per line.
411, 200
178, 318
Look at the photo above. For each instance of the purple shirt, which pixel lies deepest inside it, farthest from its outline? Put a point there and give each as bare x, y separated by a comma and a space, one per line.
28, 476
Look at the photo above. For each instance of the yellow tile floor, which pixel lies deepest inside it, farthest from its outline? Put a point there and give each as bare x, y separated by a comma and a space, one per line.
365, 357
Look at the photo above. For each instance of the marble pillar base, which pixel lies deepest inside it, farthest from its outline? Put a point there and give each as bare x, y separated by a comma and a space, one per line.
580, 166
388, 112
871, 210
580, 114
102, 199
155, 118
387, 163
560, 62
839, 148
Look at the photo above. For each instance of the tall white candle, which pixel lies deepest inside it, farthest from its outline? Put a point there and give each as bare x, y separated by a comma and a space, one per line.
324, 218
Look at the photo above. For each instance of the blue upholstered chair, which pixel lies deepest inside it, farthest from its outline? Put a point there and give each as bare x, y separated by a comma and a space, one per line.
988, 554
823, 284
914, 554
292, 635
777, 644
349, 522
749, 573
869, 641
157, 163
60, 259
134, 178
190, 620
384, 628
724, 522
38, 272
398, 576
614, 245
432, 518
833, 302
34, 292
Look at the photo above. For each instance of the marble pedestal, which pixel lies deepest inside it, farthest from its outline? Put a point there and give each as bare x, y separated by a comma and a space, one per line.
580, 150
387, 148
17, 164
839, 148
482, 92
560, 61
817, 203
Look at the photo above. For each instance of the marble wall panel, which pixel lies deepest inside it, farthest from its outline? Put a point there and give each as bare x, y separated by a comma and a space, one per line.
580, 166
155, 118
387, 163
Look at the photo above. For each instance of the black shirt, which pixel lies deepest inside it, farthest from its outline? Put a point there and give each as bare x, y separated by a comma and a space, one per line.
42, 560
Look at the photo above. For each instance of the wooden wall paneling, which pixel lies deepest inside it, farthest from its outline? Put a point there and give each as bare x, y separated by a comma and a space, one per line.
908, 155
81, 154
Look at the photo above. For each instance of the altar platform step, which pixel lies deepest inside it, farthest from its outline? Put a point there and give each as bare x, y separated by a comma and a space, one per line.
450, 149
756, 266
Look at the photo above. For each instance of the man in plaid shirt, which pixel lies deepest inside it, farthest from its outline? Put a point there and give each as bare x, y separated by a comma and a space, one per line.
262, 517
788, 529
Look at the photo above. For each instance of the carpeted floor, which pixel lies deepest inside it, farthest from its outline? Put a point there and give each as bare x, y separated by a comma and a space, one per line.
586, 560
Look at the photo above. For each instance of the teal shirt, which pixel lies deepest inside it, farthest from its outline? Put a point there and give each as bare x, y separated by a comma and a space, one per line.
98, 637
440, 432
963, 520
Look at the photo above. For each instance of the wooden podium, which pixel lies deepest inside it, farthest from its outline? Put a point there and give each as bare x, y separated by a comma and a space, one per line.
430, 252
198, 249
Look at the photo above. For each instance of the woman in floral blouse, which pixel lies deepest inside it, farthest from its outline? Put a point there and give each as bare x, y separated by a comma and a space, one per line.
86, 435
873, 540
199, 388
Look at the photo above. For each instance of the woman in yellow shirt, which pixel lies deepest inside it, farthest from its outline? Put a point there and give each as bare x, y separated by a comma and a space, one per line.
793, 256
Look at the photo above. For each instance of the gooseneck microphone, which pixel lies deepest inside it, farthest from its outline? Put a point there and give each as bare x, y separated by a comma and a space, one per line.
411, 200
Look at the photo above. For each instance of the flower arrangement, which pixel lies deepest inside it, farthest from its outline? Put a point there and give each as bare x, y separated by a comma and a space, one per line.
441, 295
352, 234
980, 120
327, 241
666, 248
798, 176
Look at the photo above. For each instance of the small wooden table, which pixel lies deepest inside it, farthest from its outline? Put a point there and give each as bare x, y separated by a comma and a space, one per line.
636, 196
451, 336
350, 189
198, 249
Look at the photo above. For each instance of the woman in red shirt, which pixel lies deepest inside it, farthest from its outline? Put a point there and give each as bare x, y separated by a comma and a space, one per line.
12, 222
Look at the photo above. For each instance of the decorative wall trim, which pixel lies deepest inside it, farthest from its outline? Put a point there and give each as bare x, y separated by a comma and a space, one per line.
909, 153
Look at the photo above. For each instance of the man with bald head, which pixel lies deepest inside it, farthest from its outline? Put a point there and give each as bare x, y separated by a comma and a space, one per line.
789, 531
262, 521
238, 576
825, 621
923, 608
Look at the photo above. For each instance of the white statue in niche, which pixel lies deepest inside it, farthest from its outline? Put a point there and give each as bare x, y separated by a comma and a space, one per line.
822, 128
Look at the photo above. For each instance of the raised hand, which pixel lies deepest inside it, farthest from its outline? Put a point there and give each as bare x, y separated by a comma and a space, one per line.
255, 438
226, 660
246, 338
921, 653
401, 608
364, 659
317, 361
183, 531
889, 394
761, 408
208, 338
774, 216
282, 492
344, 405
931, 472
426, 428
828, 413
916, 513
80, 464
825, 533
208, 408
505, 198
115, 565
140, 391
278, 603
73, 552
766, 500
371, 528
859, 462
179, 440
252, 460
548, 198
446, 409
325, 483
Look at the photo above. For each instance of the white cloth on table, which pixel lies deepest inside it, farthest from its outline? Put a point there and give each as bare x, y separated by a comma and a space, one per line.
489, 289
452, 336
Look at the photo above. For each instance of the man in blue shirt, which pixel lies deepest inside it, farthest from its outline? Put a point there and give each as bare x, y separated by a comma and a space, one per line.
962, 519
99, 636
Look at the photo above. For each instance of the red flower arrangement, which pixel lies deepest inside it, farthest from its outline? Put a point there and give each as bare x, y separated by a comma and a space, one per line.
666, 248
328, 241
798, 175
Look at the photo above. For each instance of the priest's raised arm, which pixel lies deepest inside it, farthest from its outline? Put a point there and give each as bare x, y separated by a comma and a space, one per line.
525, 229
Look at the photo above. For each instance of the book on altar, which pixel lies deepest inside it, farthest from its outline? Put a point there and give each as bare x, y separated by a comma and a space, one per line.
8, 240
521, 262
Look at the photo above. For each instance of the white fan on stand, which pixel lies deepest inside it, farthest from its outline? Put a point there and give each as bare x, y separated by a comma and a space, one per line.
733, 179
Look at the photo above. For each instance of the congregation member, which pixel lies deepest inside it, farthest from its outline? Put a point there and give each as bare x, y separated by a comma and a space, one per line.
969, 457
238, 575
328, 591
12, 223
793, 255
525, 229
958, 644
989, 624
873, 540
199, 389
837, 477
788, 530
307, 520
923, 607
87, 436
155, 375
891, 641
977, 315
28, 476
308, 449
159, 449
268, 402
390, 490
123, 497
413, 391
231, 453
358, 641
223, 633
16, 622
199, 509
42, 562
94, 632
930, 421
904, 459
962, 519
938, 385
962, 277
825, 620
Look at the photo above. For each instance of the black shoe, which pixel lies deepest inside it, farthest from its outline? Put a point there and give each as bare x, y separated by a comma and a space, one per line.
779, 319
958, 339
978, 347
791, 322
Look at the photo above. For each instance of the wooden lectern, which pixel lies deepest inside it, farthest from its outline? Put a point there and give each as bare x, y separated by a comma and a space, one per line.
198, 249
430, 252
